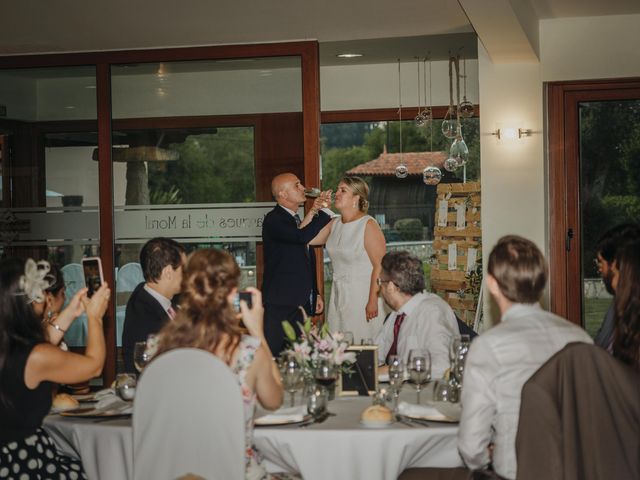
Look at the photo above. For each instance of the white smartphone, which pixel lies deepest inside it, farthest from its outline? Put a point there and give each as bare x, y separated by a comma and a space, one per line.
93, 276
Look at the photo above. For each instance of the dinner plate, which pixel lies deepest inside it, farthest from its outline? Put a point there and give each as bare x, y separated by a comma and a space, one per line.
370, 424
274, 421
90, 412
85, 397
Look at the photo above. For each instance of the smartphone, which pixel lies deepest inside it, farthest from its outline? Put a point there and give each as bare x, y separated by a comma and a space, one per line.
242, 295
93, 276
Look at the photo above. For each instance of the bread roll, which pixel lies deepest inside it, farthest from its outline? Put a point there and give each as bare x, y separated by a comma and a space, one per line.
377, 414
64, 401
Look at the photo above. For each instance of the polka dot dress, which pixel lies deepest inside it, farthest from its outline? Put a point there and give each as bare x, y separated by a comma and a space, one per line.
35, 458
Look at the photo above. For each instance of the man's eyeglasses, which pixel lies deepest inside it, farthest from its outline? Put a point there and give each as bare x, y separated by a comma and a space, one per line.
379, 281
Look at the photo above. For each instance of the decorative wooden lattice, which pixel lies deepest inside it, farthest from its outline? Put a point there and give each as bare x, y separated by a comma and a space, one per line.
455, 274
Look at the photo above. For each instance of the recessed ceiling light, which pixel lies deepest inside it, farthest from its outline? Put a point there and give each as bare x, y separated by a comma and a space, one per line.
69, 107
90, 87
349, 55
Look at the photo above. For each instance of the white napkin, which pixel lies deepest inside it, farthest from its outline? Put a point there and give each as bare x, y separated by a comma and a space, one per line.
109, 402
421, 411
283, 415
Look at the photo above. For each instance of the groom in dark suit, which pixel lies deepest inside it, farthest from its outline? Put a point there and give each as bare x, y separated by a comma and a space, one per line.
150, 305
289, 279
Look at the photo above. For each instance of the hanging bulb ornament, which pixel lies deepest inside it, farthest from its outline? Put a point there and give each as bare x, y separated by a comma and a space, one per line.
427, 113
431, 175
451, 118
401, 170
466, 107
419, 120
459, 150
451, 164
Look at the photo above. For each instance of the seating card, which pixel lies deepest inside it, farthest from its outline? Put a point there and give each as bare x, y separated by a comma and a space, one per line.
443, 211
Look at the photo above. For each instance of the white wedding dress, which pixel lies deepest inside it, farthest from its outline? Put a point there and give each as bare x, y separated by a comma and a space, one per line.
351, 279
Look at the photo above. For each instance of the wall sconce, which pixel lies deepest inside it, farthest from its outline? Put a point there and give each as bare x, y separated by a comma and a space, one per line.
511, 133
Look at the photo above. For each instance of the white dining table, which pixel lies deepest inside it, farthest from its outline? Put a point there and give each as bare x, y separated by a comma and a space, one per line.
341, 447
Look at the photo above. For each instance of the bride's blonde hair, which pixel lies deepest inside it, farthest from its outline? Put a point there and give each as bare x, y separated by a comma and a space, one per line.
358, 187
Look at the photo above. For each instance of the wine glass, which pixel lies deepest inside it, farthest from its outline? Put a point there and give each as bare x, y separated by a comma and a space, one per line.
458, 350
396, 378
292, 377
325, 373
140, 355
419, 369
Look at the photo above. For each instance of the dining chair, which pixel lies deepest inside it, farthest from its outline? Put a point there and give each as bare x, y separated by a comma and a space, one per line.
128, 277
188, 418
580, 418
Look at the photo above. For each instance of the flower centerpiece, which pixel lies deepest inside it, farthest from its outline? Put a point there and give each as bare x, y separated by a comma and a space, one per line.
316, 344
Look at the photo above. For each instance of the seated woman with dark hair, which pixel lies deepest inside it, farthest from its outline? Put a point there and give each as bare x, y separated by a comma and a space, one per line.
207, 320
29, 364
626, 281
50, 307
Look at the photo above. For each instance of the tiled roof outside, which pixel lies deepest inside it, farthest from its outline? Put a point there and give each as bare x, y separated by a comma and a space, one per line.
386, 163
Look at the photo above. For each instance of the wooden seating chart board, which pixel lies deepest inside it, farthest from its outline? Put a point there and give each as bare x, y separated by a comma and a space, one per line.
456, 266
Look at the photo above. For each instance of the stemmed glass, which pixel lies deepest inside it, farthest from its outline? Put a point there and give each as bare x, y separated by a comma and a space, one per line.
419, 369
292, 376
140, 355
457, 355
396, 378
325, 373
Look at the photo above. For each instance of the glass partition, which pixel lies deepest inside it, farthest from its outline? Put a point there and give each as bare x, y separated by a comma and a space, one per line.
49, 178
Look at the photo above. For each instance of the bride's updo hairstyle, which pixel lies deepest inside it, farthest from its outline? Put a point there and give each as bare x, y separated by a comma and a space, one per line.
359, 187
205, 314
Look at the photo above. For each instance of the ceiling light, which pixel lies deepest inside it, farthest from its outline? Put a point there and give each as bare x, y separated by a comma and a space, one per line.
349, 55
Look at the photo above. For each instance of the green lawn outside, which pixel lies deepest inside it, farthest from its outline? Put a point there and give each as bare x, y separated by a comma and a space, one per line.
594, 311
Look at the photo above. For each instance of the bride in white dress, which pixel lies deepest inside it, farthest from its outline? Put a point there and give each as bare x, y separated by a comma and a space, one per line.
356, 246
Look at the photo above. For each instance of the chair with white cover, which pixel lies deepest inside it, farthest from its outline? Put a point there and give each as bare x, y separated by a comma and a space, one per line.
73, 276
188, 418
129, 276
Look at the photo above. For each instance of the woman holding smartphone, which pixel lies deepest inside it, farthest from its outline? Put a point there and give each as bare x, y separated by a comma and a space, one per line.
207, 320
29, 364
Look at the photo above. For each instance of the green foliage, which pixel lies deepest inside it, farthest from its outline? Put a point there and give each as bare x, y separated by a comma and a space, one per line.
213, 168
172, 197
610, 170
409, 229
337, 161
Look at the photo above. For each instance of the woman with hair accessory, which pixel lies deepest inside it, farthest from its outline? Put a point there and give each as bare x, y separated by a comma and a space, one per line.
208, 320
29, 364
51, 305
356, 246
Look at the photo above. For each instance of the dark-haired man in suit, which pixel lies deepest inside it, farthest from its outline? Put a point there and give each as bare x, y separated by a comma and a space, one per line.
150, 304
289, 279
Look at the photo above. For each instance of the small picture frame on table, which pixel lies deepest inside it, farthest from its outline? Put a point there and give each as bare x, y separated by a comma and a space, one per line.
363, 378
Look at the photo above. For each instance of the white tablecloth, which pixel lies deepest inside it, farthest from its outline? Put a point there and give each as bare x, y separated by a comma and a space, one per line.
339, 448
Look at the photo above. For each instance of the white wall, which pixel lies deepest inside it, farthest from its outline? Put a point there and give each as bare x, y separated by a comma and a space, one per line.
376, 86
590, 47
513, 171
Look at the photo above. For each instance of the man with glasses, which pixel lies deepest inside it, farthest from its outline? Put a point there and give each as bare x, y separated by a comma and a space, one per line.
608, 245
419, 319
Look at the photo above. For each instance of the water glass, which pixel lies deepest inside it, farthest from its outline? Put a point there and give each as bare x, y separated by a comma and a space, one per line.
317, 403
140, 355
366, 341
396, 378
458, 350
348, 337
443, 392
125, 386
419, 369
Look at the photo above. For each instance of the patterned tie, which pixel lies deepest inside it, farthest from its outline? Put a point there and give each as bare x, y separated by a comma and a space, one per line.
396, 329
296, 217
171, 312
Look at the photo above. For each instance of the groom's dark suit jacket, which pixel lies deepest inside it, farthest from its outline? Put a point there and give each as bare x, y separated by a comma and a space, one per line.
289, 268
144, 315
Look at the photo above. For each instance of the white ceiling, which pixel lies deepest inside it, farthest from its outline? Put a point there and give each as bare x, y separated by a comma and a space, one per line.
41, 26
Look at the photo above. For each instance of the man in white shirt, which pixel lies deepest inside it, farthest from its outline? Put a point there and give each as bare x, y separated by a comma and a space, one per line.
502, 359
419, 320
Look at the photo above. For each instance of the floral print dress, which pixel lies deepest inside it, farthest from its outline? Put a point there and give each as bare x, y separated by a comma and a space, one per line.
254, 470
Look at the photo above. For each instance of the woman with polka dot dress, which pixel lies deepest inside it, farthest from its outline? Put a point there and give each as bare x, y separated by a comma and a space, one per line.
29, 365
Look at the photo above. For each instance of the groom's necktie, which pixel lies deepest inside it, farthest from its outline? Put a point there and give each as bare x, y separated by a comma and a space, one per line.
296, 217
